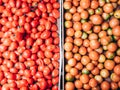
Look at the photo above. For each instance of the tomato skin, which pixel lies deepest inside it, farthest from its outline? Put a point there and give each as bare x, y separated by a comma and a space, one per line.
3, 48
45, 34
49, 7
26, 54
46, 0
56, 41
18, 36
12, 3
33, 87
55, 73
1, 75
55, 13
37, 12
42, 84
35, 49
27, 26
31, 14
40, 54
48, 25
44, 15
46, 71
42, 21
48, 54
39, 74
49, 83
55, 87
34, 23
55, 64
55, 80
18, 3
56, 56
52, 1
3, 81
42, 7
52, 19
22, 21
49, 41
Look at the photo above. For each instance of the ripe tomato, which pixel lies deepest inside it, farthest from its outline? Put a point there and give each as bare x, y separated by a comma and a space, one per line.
55, 13
45, 34
55, 80
42, 7
29, 50
42, 84
55, 87
55, 73
46, 71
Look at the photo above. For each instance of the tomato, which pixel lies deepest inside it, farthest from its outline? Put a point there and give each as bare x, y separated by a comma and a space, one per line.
49, 83
55, 13
1, 75
42, 7
18, 3
45, 34
49, 7
69, 86
18, 36
34, 87
46, 71
31, 14
53, 20
43, 84
48, 54
34, 23
55, 73
21, 20
48, 25
26, 53
55, 80
56, 56
56, 5
55, 87
39, 74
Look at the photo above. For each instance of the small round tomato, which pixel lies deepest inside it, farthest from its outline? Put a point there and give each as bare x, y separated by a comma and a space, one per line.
55, 87
46, 71
55, 80
43, 84
45, 34
55, 72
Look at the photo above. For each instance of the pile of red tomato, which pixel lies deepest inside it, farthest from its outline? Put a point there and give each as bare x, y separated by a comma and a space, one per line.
29, 45
92, 44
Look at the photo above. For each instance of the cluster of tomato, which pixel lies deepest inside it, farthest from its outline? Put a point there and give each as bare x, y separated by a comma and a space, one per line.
29, 45
92, 44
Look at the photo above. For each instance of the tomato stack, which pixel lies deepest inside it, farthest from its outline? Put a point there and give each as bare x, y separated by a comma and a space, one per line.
92, 44
29, 45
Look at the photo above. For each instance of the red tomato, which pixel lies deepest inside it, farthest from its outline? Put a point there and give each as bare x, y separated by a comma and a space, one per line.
26, 54
46, 71
49, 83
33, 87
55, 80
42, 7
43, 84
55, 87
18, 3
55, 13
49, 7
45, 34
48, 25
55, 73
